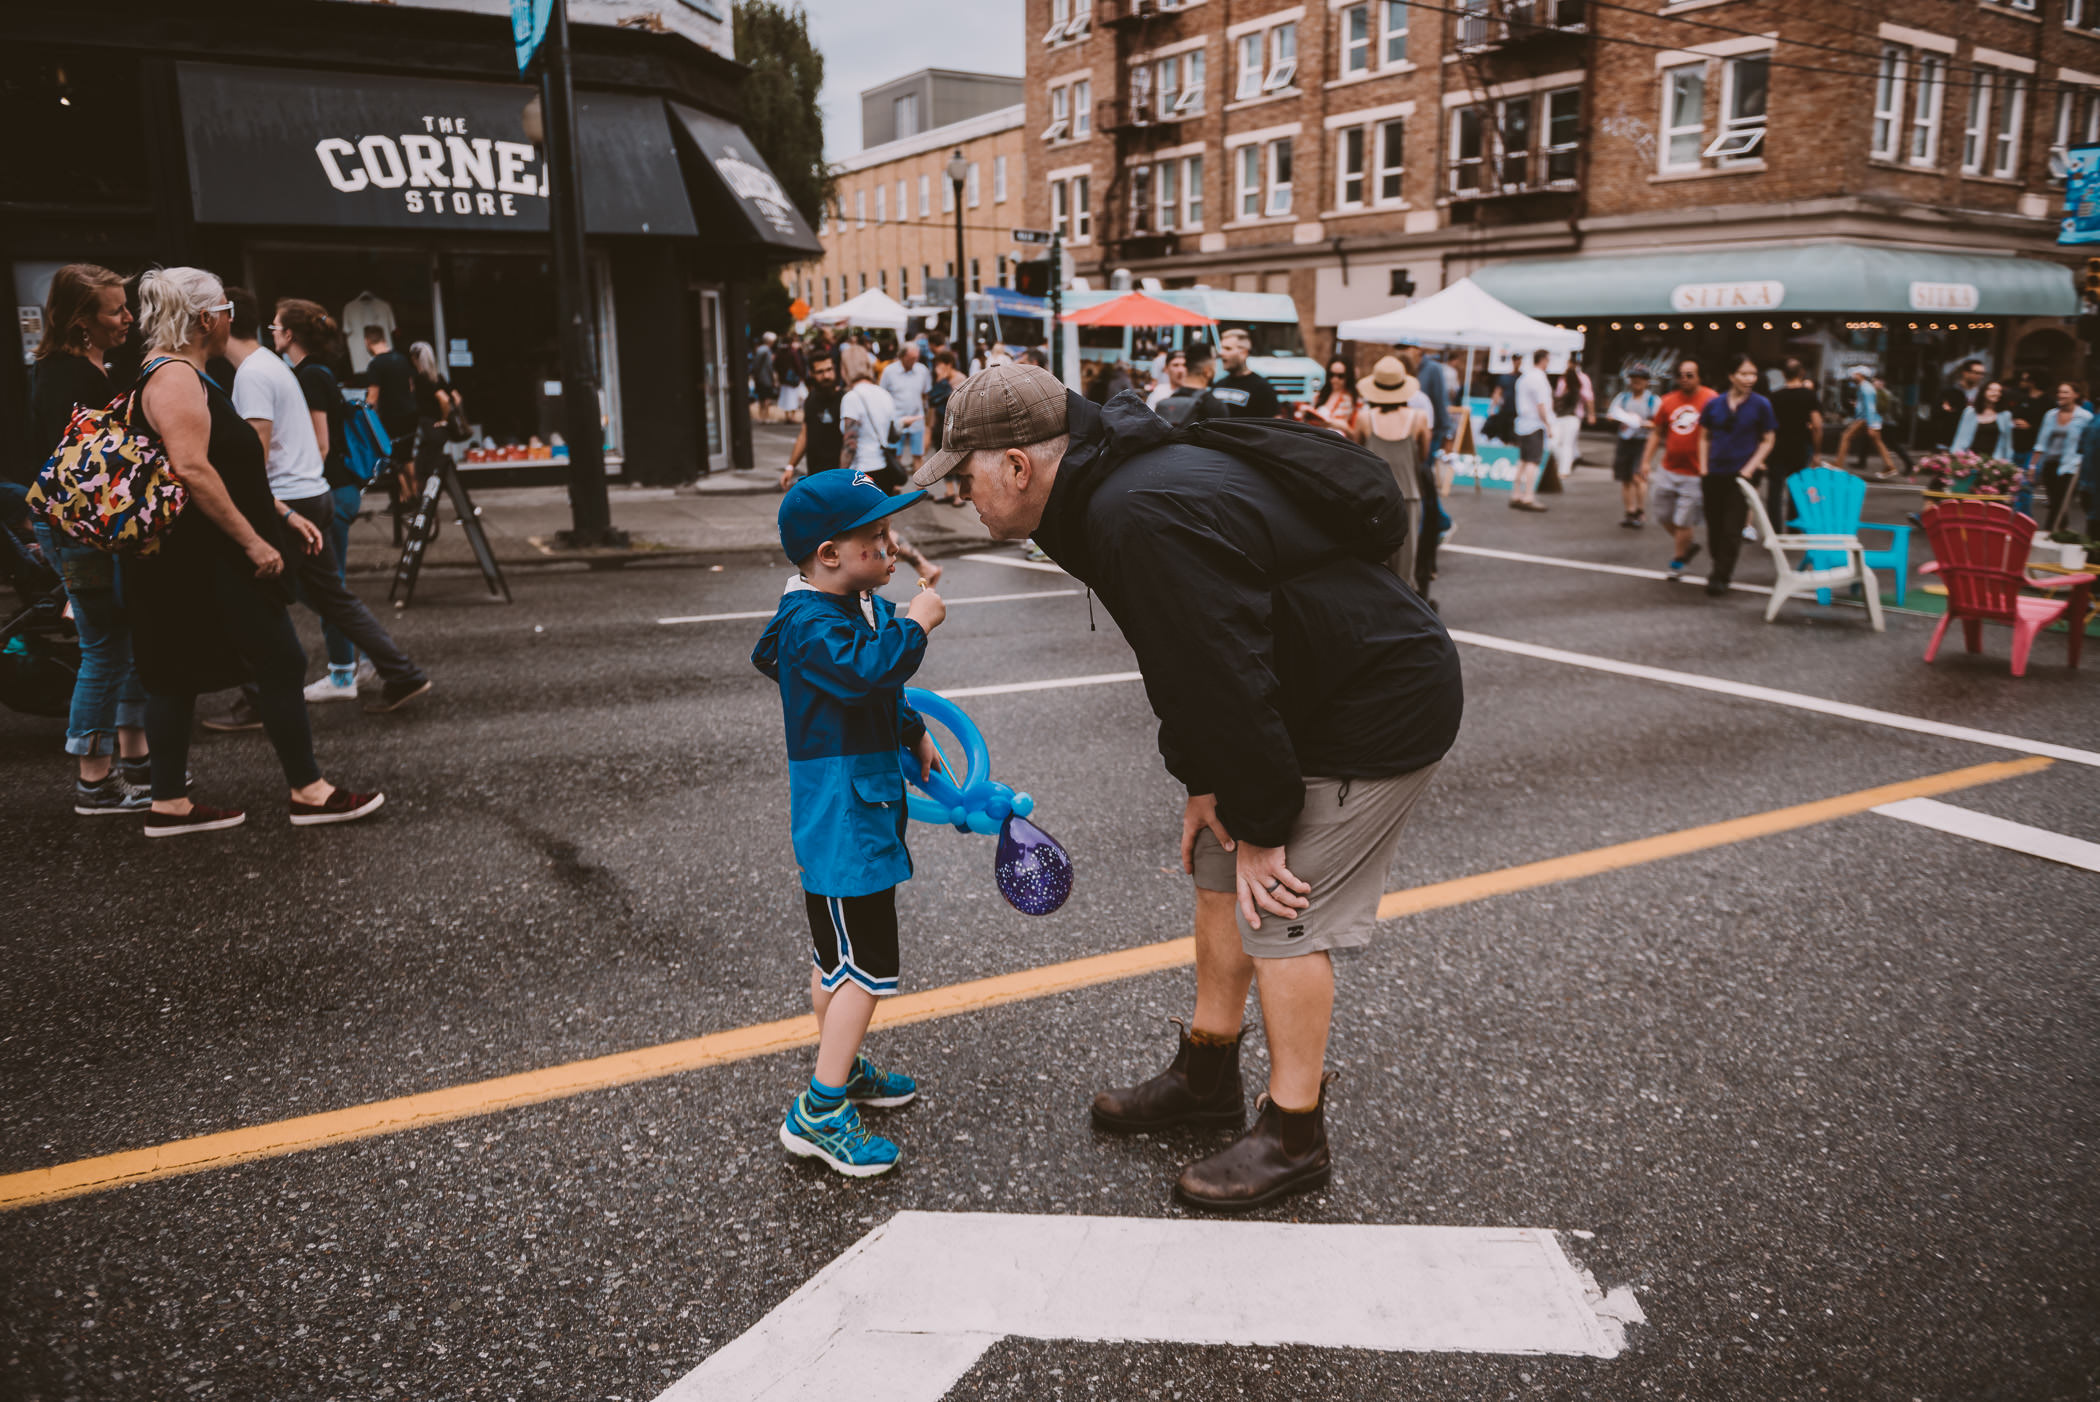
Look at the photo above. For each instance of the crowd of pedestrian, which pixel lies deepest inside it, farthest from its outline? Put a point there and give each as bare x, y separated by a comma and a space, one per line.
251, 423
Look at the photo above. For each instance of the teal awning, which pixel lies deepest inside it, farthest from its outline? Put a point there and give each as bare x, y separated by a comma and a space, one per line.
1836, 276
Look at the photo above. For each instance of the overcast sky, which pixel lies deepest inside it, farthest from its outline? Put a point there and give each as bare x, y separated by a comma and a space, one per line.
868, 42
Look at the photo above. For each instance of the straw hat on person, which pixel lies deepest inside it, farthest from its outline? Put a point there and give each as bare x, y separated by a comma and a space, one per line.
1388, 386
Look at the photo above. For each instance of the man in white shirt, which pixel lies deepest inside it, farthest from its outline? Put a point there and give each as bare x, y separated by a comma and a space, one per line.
1534, 413
907, 382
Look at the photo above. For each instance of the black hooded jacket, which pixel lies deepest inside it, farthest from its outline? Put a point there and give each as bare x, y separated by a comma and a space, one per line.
1266, 659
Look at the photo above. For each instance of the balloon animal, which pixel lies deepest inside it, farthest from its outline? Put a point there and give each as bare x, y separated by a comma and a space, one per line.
1033, 869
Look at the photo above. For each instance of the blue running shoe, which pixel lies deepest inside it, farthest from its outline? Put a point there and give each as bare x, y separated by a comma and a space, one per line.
879, 1089
838, 1139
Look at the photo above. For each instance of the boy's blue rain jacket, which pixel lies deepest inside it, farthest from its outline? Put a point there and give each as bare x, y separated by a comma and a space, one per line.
842, 692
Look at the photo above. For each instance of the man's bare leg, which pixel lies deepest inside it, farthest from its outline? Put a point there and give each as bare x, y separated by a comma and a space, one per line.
1224, 972
1297, 1004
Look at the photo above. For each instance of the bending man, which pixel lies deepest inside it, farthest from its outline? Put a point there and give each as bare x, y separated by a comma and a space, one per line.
1304, 701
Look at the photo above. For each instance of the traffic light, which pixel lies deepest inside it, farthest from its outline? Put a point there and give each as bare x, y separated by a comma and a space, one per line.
2089, 285
1032, 277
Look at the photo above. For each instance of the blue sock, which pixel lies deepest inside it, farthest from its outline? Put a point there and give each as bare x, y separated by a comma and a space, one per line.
824, 1099
342, 676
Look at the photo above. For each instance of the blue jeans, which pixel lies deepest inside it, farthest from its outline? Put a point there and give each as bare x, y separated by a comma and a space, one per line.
341, 651
106, 694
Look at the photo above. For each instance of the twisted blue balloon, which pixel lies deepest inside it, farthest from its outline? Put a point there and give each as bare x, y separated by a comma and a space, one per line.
974, 803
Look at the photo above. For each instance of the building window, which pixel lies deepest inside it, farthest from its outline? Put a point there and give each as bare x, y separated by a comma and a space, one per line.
1280, 176
1283, 58
904, 282
1392, 36
970, 190
1060, 20
860, 209
1082, 109
1192, 193
2082, 14
1888, 105
947, 194
1167, 181
1178, 80
1684, 116
1513, 126
925, 272
1928, 91
1467, 141
1745, 85
1563, 135
903, 201
2070, 132
1249, 84
925, 196
1060, 114
2005, 137
1082, 209
1356, 40
1975, 135
881, 203
1248, 166
1351, 168
1141, 200
976, 279
1060, 220
1002, 270
1391, 164
827, 290
998, 180
905, 112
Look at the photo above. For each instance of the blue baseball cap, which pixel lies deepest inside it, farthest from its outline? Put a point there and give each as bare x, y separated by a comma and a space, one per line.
825, 505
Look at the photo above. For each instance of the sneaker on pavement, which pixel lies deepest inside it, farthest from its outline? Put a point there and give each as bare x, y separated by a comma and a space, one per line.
109, 794
880, 1089
329, 689
394, 695
342, 806
242, 716
838, 1140
202, 817
1676, 570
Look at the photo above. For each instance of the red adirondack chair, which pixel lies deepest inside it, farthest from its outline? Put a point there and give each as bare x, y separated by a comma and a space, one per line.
1980, 551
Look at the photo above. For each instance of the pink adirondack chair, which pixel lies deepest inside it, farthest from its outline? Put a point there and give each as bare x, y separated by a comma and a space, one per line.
1980, 551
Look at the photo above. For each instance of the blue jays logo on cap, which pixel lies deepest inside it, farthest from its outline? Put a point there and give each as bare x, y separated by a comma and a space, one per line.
826, 505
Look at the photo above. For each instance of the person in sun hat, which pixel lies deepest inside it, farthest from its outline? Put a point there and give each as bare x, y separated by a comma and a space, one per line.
841, 654
1305, 697
1390, 426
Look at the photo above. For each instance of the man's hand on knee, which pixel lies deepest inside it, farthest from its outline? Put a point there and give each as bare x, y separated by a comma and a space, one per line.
1199, 813
1266, 884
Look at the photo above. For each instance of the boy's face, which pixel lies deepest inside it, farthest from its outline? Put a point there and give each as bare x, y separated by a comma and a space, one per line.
867, 557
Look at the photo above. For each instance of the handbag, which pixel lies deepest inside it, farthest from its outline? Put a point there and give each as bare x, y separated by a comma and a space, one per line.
110, 484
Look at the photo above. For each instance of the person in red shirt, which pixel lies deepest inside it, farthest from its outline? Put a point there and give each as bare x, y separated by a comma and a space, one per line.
1675, 497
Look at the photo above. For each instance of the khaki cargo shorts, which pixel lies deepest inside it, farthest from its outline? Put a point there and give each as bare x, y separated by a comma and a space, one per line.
1342, 846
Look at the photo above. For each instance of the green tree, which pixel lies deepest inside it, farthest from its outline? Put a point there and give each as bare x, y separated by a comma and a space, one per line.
781, 113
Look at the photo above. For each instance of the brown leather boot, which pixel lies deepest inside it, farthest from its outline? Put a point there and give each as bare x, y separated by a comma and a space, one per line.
1202, 1087
1284, 1153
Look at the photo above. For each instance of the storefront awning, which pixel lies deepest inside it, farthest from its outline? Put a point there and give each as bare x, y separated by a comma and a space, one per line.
372, 151
1836, 276
732, 178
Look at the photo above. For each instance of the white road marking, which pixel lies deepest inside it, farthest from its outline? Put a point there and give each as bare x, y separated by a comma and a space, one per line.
1744, 690
1013, 562
1592, 566
1999, 832
1050, 684
972, 599
912, 1306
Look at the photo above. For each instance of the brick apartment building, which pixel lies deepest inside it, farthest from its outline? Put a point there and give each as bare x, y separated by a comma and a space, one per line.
1803, 177
893, 224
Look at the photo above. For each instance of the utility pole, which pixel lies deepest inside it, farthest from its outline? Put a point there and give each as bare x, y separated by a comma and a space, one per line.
590, 507
958, 175
1057, 301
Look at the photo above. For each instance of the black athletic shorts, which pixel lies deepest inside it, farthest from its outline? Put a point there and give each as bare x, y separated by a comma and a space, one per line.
855, 937
1626, 458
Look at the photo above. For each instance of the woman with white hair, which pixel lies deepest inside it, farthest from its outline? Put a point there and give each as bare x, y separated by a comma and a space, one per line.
208, 604
435, 402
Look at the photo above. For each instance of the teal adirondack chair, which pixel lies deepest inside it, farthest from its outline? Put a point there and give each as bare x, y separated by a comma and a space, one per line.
1828, 501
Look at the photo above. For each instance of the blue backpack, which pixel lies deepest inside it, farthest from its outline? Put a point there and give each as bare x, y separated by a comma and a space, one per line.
366, 447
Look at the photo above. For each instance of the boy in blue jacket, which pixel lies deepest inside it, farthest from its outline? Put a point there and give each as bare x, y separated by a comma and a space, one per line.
841, 655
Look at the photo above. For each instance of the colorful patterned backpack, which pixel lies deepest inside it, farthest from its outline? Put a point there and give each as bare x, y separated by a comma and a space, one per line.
110, 485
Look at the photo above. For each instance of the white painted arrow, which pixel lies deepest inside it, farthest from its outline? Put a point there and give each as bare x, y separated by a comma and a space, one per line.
904, 1313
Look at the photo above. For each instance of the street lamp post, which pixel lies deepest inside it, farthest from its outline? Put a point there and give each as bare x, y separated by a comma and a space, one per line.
958, 173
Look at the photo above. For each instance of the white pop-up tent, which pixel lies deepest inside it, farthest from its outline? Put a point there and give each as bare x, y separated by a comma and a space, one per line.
1463, 314
874, 308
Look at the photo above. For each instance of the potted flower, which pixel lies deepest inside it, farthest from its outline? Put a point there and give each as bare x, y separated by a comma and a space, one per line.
1966, 474
2068, 547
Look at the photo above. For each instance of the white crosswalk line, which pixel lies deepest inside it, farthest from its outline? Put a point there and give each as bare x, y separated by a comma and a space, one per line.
1049, 684
1894, 720
1591, 566
1011, 562
911, 1307
1999, 832
971, 599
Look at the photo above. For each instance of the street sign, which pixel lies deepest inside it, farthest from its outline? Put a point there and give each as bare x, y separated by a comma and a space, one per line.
912, 1306
1032, 236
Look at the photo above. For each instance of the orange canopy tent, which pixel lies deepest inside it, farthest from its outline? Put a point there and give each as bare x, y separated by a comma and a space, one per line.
1136, 309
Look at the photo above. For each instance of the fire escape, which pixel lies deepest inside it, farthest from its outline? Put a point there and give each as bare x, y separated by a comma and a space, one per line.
1139, 119
1519, 158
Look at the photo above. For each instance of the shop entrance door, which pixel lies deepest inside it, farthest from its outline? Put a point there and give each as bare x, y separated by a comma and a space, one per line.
715, 379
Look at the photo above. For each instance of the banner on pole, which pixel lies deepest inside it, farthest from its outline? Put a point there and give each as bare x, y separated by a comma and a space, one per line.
528, 25
2081, 195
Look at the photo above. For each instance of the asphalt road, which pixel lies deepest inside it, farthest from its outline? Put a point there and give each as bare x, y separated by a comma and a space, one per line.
1825, 1099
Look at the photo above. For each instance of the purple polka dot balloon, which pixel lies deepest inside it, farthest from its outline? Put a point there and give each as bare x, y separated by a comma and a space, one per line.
1034, 870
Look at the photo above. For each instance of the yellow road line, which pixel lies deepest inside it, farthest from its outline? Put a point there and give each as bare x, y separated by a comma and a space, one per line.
436, 1107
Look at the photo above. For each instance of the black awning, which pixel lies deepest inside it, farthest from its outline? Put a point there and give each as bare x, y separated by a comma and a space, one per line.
733, 179
356, 150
